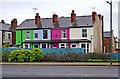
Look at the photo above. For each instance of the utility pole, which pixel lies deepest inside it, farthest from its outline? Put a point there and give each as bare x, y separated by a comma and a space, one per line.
110, 31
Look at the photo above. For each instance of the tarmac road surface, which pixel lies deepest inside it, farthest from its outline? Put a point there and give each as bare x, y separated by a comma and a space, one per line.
59, 71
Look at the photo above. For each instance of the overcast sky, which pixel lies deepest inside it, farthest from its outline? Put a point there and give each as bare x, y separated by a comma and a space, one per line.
23, 9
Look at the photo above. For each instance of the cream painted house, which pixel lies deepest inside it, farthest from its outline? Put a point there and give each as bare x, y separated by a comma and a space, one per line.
90, 36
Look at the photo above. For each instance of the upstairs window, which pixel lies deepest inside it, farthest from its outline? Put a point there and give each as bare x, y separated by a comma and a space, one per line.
27, 35
9, 36
45, 34
63, 34
84, 32
36, 35
3, 34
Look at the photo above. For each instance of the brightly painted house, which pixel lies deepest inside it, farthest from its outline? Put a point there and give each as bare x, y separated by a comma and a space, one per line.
60, 36
62, 32
33, 38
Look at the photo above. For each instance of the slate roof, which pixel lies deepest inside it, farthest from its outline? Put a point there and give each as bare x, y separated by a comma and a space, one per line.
63, 22
6, 27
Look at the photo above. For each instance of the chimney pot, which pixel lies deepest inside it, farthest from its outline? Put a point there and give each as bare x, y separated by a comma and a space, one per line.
73, 16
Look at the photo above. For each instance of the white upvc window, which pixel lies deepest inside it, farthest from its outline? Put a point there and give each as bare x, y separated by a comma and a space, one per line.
45, 34
27, 35
36, 45
26, 45
9, 35
84, 32
35, 35
44, 45
63, 34
62, 45
73, 45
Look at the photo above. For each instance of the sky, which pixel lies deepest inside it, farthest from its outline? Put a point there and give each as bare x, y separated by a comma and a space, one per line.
23, 9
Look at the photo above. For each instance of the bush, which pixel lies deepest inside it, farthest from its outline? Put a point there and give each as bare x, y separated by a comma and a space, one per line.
5, 45
5, 56
69, 57
25, 55
99, 56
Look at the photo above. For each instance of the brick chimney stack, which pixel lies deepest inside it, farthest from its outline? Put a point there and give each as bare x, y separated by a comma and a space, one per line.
73, 16
14, 23
94, 16
55, 18
37, 19
2, 21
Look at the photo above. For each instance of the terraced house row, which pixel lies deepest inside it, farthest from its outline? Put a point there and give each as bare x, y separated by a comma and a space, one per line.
62, 32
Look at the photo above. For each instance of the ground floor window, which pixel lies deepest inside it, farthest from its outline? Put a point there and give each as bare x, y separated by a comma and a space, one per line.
54, 46
73, 45
26, 45
45, 45
36, 45
62, 45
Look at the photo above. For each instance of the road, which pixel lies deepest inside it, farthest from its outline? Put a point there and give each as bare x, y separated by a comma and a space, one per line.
63, 71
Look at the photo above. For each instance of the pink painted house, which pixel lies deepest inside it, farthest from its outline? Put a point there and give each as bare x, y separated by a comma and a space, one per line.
60, 37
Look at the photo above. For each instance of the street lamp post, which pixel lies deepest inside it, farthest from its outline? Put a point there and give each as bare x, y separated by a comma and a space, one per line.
110, 31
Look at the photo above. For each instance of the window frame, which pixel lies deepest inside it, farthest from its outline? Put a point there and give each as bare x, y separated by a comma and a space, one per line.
46, 45
84, 32
9, 36
35, 35
45, 36
83, 47
27, 35
63, 34
72, 46
37, 45
65, 45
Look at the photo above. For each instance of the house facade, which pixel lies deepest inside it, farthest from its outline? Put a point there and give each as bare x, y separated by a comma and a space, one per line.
33, 38
7, 33
62, 32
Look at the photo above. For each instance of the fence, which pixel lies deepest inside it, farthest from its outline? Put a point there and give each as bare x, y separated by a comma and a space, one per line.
57, 51
61, 51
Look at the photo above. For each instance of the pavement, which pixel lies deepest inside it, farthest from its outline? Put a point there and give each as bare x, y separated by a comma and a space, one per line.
63, 63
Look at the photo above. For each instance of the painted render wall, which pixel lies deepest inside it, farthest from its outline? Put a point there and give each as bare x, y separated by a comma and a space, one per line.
76, 33
21, 36
40, 34
56, 33
18, 37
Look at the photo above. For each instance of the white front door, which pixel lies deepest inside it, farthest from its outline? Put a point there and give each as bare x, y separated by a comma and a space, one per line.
85, 46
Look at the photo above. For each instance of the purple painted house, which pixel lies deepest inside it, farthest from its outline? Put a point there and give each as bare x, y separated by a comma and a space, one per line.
60, 37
